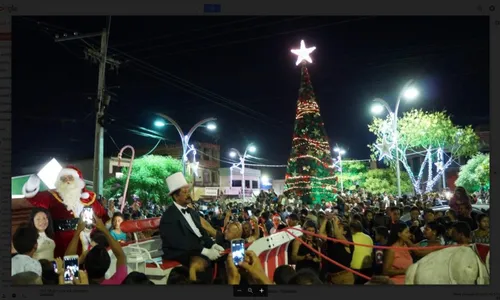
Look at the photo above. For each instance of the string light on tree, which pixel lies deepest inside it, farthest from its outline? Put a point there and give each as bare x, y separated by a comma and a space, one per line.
310, 174
439, 163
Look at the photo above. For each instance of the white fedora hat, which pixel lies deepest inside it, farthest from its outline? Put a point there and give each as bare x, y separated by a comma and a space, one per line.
176, 181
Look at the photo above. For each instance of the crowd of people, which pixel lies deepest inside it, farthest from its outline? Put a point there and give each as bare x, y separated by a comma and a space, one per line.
198, 238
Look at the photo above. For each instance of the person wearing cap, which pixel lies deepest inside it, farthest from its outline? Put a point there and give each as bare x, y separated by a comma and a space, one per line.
183, 237
65, 204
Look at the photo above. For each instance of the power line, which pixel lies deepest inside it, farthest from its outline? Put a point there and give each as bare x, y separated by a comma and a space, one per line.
186, 89
161, 37
148, 67
259, 38
205, 37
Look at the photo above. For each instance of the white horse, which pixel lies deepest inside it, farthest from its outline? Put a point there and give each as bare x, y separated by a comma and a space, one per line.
454, 265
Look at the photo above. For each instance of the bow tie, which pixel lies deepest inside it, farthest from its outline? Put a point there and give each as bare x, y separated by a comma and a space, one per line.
186, 210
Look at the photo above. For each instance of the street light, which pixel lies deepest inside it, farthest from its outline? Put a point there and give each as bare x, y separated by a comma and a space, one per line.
185, 138
409, 92
211, 126
340, 152
233, 153
160, 123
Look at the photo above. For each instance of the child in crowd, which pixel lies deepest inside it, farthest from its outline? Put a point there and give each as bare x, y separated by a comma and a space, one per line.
25, 242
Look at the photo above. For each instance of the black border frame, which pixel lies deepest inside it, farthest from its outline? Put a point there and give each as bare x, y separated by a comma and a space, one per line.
311, 7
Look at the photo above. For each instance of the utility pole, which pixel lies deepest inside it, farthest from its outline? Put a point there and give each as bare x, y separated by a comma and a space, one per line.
99, 130
102, 102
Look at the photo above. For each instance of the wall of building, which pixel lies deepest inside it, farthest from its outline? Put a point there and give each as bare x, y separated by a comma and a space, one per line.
279, 186
231, 184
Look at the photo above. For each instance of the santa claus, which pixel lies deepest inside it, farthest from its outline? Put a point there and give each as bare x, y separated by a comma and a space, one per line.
65, 204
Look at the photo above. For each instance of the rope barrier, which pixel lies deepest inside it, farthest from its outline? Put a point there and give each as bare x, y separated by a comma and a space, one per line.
371, 246
327, 258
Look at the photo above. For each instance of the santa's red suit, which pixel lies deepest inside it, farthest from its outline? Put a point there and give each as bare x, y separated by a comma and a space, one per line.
65, 214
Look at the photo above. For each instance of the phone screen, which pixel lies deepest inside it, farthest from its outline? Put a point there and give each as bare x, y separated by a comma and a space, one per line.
88, 215
238, 251
70, 268
249, 213
55, 266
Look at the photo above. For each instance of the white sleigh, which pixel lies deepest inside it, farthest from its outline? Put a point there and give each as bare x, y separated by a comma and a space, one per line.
145, 256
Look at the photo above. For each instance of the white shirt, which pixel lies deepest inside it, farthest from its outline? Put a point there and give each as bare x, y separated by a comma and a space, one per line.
23, 263
386, 203
45, 249
189, 219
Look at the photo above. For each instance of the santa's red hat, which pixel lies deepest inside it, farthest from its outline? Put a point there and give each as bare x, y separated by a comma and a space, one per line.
76, 173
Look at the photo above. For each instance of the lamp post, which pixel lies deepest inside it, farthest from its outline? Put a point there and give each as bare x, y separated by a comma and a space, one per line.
408, 92
185, 138
233, 153
340, 152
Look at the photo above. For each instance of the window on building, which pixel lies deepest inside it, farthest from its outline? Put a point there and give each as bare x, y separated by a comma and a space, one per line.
247, 184
215, 177
255, 184
206, 177
236, 183
205, 153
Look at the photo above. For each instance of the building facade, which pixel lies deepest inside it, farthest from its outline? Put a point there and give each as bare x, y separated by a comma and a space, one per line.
231, 181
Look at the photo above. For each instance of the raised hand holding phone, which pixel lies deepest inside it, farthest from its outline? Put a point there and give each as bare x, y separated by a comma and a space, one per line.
233, 274
71, 268
87, 216
238, 251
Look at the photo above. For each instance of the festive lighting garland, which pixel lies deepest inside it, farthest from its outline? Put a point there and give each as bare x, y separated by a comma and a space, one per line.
308, 177
309, 156
433, 181
321, 148
429, 170
309, 172
308, 140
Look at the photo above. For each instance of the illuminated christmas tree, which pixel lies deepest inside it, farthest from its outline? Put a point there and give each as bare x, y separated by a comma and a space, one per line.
310, 172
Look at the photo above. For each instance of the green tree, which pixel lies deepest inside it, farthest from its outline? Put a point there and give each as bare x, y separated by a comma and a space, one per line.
353, 173
379, 181
424, 132
147, 179
310, 173
475, 174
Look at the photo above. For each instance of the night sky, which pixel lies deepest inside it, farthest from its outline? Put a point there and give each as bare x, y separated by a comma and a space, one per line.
240, 70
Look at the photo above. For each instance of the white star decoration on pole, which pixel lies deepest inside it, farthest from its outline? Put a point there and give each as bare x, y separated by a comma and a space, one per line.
303, 54
384, 149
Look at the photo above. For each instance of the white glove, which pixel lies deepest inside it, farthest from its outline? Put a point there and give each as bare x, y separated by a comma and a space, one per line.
217, 248
212, 254
33, 183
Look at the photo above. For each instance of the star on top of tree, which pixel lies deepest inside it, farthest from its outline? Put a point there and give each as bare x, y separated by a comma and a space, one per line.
384, 149
303, 54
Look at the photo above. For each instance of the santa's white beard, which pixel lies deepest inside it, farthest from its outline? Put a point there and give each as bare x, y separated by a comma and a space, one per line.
70, 193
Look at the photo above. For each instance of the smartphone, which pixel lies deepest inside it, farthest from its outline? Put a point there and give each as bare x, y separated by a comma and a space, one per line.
55, 267
249, 212
88, 215
71, 268
238, 251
